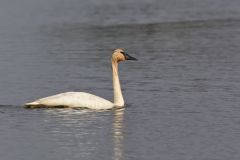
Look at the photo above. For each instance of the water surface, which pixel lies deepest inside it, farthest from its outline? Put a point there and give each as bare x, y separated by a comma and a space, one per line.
182, 95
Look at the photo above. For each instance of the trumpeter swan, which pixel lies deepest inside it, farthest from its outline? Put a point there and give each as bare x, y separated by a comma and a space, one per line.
86, 100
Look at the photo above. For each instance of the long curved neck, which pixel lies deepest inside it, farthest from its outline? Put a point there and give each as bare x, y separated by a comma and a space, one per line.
118, 98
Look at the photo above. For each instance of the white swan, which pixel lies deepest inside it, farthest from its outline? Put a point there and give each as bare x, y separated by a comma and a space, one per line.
86, 100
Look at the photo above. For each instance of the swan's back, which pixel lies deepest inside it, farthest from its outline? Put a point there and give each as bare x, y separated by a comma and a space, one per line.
73, 99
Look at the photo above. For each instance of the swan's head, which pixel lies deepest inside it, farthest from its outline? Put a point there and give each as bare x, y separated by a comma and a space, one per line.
120, 55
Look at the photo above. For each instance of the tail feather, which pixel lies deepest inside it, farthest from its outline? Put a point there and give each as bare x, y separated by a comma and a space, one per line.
31, 104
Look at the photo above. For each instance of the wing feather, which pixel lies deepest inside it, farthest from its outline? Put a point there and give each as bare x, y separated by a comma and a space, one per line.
74, 99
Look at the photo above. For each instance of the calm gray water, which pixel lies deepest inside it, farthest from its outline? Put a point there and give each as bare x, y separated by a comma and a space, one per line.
183, 95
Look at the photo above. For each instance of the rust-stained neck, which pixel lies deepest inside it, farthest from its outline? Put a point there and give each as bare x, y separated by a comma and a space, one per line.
117, 92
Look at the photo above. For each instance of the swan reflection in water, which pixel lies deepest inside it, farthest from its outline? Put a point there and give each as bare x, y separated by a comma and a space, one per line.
118, 134
73, 123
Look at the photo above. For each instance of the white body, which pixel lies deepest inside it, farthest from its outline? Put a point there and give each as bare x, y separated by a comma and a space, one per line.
73, 99
86, 100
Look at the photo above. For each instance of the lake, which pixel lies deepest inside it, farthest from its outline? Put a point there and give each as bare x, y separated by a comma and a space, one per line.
182, 95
